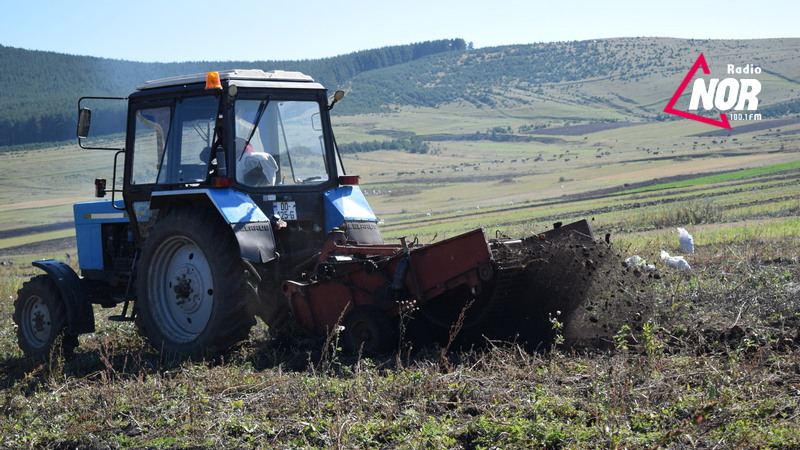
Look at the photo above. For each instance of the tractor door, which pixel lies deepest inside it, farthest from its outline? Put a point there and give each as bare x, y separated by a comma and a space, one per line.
169, 149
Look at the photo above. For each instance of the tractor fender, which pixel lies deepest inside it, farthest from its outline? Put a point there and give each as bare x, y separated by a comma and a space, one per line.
252, 228
80, 316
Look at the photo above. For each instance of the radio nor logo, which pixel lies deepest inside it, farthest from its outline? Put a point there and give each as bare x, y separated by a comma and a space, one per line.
715, 94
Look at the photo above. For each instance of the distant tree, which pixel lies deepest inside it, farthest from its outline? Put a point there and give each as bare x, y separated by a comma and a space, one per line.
414, 144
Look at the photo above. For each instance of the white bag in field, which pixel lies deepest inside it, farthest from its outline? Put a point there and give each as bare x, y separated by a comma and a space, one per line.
638, 261
675, 262
686, 241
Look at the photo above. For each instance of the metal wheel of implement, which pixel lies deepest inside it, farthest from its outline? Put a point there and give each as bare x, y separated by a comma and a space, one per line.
192, 286
40, 315
369, 330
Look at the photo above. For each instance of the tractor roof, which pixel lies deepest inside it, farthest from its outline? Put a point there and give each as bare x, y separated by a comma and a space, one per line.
243, 78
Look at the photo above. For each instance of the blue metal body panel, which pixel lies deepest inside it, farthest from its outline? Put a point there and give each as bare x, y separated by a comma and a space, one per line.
346, 203
235, 206
89, 217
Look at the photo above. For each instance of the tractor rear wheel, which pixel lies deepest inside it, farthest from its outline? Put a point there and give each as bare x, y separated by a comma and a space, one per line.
193, 288
41, 317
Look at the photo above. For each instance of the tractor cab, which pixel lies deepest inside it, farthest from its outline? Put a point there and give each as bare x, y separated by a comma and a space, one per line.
244, 128
255, 148
255, 145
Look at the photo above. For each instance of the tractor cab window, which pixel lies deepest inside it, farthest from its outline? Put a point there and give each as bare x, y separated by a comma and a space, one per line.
279, 142
172, 144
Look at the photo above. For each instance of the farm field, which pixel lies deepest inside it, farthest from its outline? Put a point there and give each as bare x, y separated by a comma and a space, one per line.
686, 359
457, 185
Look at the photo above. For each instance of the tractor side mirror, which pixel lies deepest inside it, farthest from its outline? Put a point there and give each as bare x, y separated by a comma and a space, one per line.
111, 122
84, 120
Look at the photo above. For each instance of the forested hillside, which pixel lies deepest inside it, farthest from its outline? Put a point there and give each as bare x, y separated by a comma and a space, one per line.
627, 79
608, 80
41, 89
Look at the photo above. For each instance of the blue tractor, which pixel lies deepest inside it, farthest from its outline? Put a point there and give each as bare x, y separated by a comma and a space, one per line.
234, 204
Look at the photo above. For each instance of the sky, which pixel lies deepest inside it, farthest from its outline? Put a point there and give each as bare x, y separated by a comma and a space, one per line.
256, 30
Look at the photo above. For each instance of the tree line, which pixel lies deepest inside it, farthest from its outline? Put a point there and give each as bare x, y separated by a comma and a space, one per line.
414, 144
41, 89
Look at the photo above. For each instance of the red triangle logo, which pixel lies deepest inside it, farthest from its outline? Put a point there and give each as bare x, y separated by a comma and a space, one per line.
670, 109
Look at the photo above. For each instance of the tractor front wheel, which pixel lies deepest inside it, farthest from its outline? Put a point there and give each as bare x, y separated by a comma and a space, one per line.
41, 318
193, 288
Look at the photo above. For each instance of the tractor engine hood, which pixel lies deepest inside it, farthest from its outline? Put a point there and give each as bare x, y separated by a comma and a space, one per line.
347, 209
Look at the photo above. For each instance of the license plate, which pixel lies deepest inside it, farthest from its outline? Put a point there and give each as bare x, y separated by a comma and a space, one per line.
287, 210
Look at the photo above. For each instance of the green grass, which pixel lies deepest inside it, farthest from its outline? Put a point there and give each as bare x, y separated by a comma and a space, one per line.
738, 175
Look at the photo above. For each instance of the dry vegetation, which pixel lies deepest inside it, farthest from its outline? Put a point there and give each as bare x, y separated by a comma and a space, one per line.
713, 364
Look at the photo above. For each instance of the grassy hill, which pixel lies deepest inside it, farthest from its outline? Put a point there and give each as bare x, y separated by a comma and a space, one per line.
627, 79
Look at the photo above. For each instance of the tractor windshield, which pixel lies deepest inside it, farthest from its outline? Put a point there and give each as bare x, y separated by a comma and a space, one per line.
279, 142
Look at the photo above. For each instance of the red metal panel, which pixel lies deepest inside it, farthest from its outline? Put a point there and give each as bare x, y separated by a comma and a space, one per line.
437, 263
320, 304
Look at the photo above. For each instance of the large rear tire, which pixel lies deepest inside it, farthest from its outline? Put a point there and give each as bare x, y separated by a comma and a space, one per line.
193, 288
41, 318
